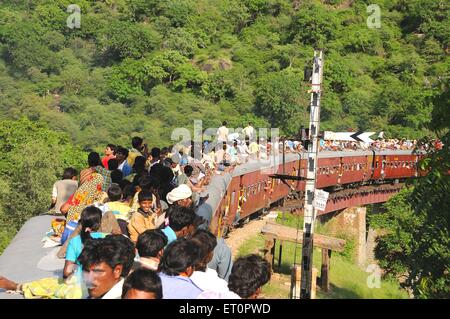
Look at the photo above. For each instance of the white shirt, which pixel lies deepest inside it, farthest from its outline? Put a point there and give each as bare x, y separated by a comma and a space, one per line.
222, 134
116, 291
249, 131
209, 280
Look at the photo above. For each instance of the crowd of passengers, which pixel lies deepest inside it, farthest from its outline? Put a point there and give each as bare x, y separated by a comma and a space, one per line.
136, 225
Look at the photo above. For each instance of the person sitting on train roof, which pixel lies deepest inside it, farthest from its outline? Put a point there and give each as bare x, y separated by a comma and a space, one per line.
179, 222
142, 283
176, 267
116, 204
109, 154
204, 277
63, 189
222, 133
90, 222
122, 155
144, 218
139, 148
156, 157
93, 161
150, 247
248, 275
181, 196
112, 257
222, 258
105, 264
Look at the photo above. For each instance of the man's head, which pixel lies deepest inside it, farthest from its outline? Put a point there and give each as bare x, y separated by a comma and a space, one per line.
110, 149
180, 196
145, 199
151, 243
114, 192
224, 123
188, 169
113, 164
179, 258
206, 241
248, 275
104, 262
70, 173
136, 142
121, 154
156, 152
164, 152
181, 220
142, 284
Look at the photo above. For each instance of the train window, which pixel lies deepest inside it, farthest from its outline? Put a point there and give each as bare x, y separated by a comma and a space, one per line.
376, 164
259, 187
233, 196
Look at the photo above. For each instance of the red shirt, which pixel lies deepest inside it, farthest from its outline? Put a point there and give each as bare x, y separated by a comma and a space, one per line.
106, 159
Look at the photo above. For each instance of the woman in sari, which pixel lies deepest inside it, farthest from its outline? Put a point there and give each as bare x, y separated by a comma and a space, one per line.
87, 194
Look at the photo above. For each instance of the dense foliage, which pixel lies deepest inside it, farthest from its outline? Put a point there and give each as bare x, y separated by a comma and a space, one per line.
417, 220
147, 66
32, 158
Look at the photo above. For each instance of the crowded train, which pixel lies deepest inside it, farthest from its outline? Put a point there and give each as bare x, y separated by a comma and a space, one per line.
149, 223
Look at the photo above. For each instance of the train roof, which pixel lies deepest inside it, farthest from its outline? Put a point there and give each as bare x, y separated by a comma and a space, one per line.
25, 259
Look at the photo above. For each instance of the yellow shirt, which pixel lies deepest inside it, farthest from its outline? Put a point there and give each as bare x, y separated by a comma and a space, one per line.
140, 223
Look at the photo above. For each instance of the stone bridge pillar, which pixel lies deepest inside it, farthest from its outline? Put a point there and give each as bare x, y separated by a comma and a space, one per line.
352, 222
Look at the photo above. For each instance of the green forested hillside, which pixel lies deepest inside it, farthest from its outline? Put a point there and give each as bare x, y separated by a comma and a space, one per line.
143, 67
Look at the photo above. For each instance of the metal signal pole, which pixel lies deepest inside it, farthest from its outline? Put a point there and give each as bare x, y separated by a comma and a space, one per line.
313, 149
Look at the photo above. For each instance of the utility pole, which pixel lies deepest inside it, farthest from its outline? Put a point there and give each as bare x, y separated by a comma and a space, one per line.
313, 150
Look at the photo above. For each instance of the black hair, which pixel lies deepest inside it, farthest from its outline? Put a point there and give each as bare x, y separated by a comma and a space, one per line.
144, 182
206, 241
122, 150
178, 257
94, 159
116, 176
136, 142
155, 152
145, 195
180, 217
150, 242
128, 189
113, 250
188, 169
248, 274
224, 123
114, 192
91, 217
112, 147
164, 150
139, 165
143, 279
69, 173
113, 164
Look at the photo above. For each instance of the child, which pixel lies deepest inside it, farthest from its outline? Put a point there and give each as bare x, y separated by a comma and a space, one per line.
116, 205
90, 221
144, 218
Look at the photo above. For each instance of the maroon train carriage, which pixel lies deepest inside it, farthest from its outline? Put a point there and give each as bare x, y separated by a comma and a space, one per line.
249, 189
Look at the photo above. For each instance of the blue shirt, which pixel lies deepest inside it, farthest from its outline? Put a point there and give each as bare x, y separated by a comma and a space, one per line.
126, 169
171, 236
76, 246
178, 287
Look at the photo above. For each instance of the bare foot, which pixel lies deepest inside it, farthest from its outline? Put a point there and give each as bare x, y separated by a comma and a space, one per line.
7, 284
